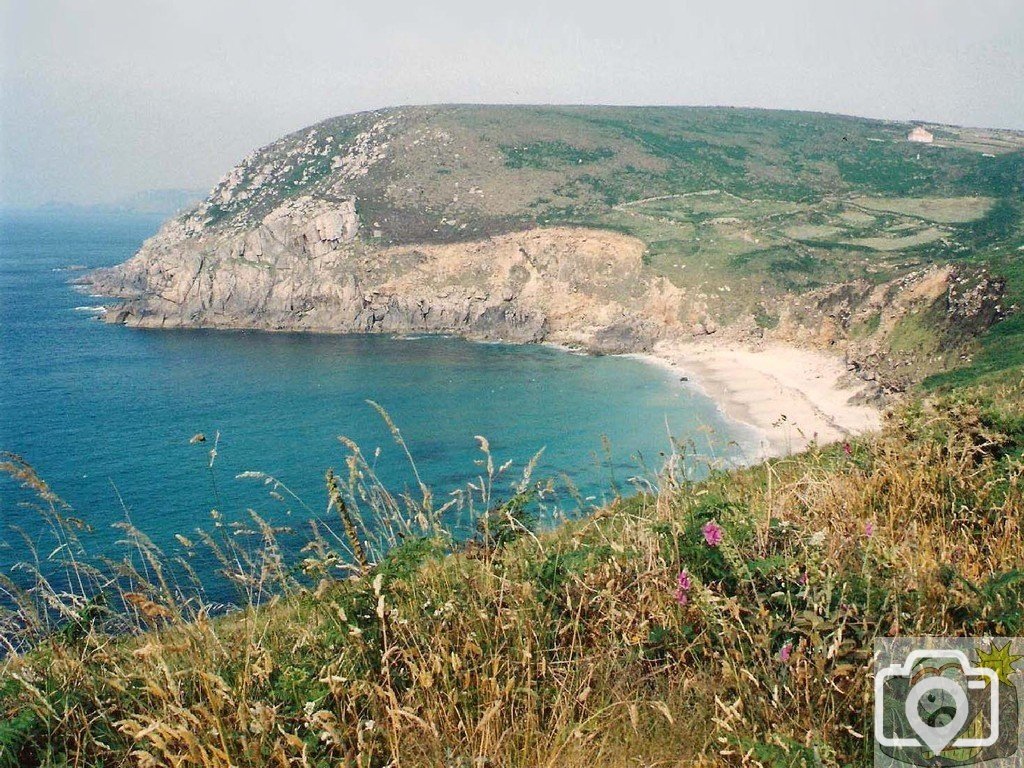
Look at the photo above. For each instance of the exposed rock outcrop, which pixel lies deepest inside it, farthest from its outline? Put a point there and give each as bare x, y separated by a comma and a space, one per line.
302, 269
893, 334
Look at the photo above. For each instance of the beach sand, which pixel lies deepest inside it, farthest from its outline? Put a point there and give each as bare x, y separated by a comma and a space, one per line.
790, 396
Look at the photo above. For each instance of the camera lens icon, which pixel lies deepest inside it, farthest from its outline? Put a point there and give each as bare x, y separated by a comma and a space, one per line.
937, 710
936, 707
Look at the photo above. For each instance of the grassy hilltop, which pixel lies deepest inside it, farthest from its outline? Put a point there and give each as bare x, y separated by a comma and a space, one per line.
747, 212
726, 621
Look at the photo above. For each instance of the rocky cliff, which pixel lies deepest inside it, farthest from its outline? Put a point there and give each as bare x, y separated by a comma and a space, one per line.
301, 269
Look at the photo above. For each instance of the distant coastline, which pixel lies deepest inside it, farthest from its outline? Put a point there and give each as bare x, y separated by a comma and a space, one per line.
151, 202
802, 300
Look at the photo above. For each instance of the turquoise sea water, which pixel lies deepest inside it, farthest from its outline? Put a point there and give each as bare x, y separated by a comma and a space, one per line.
105, 413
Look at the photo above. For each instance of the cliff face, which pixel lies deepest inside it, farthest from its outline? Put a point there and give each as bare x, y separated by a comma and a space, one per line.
893, 334
301, 269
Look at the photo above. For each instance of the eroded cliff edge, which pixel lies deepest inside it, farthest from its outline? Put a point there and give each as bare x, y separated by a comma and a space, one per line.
301, 268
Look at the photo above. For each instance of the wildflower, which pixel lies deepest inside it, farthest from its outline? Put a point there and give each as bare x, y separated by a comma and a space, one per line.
847, 449
786, 652
869, 529
684, 581
802, 580
684, 585
712, 533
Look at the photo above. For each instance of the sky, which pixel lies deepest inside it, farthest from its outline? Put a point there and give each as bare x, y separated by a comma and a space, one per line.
100, 99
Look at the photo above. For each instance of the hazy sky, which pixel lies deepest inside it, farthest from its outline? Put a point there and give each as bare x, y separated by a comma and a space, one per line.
102, 98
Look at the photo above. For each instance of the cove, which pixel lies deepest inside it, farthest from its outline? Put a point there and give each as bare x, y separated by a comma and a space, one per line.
106, 414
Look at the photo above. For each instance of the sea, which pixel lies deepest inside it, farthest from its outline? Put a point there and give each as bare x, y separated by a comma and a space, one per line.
109, 416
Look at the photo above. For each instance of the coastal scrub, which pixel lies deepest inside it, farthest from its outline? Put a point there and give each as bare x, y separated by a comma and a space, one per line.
725, 622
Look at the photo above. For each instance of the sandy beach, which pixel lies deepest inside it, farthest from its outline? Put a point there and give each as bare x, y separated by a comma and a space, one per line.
791, 396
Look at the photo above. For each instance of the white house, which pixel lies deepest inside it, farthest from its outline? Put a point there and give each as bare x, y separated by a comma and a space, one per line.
920, 136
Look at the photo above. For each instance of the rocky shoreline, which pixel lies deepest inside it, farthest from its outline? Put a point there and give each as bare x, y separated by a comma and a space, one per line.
302, 270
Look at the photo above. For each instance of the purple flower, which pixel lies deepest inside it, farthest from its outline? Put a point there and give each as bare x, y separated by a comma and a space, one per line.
712, 533
869, 530
685, 584
786, 652
847, 449
802, 580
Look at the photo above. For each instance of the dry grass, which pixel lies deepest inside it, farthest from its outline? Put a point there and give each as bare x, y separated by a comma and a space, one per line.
945, 210
565, 648
883, 243
812, 232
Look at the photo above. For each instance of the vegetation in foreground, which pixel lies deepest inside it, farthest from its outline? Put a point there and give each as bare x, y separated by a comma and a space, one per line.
727, 621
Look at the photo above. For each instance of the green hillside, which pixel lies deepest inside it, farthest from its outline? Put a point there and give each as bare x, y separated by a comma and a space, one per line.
741, 207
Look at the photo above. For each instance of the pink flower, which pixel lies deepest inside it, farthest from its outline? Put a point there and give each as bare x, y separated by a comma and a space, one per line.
685, 584
802, 581
869, 530
786, 652
847, 449
684, 581
712, 533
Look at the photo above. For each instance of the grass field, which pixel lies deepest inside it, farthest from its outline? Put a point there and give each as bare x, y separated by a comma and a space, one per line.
901, 243
945, 210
